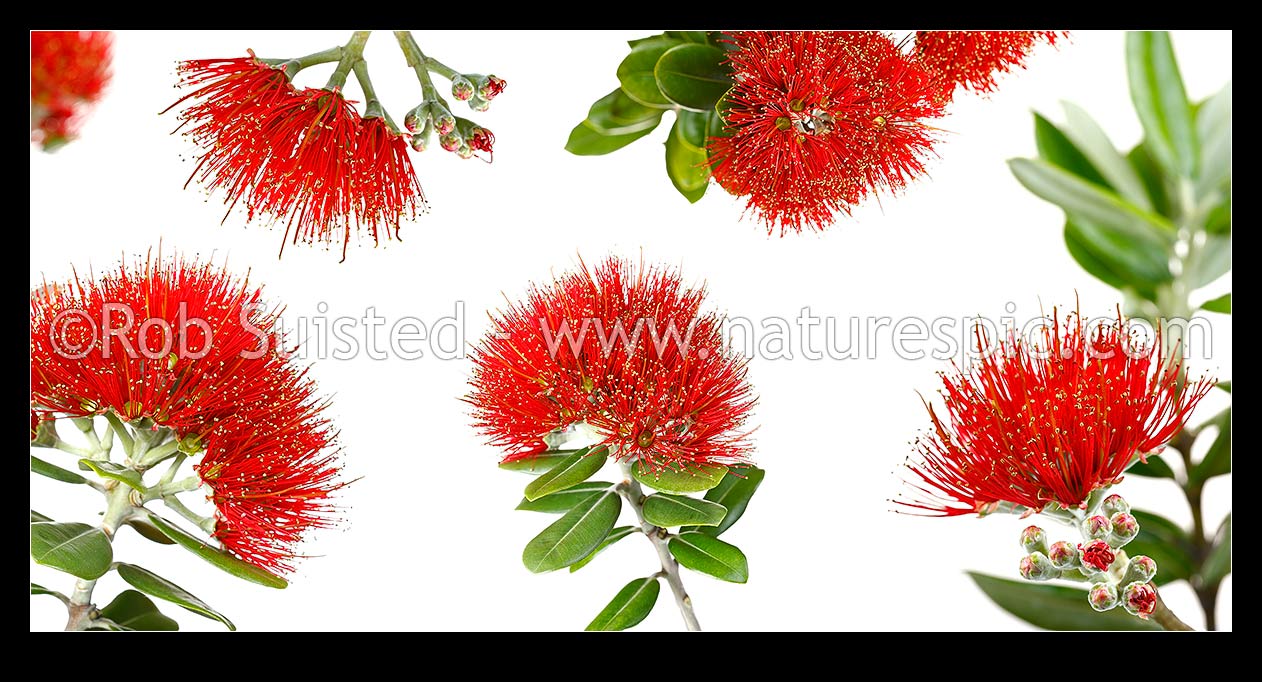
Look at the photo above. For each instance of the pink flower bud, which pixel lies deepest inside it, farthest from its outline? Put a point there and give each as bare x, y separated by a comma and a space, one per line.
489, 87
1139, 599
1063, 555
451, 141
1140, 569
1096, 555
1114, 504
479, 104
1096, 527
1124, 529
461, 88
1102, 597
1033, 539
1038, 567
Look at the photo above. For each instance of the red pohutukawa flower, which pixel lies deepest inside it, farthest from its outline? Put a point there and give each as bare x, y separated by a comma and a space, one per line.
192, 348
819, 120
973, 59
69, 70
629, 352
302, 156
1052, 421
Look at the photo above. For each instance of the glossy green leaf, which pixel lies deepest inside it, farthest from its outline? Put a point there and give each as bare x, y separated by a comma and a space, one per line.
691, 127
1089, 203
1217, 460
632, 604
684, 480
1056, 148
1218, 222
693, 76
37, 517
1225, 385
734, 493
1054, 607
614, 536
1213, 130
1222, 304
686, 165
1156, 467
39, 466
586, 140
710, 555
575, 535
156, 586
40, 590
563, 501
617, 114
701, 37
1166, 543
537, 464
1161, 102
635, 73
637, 41
575, 469
149, 531
1211, 261
1218, 562
1155, 181
217, 557
1094, 143
117, 472
132, 610
670, 511
1115, 259
78, 549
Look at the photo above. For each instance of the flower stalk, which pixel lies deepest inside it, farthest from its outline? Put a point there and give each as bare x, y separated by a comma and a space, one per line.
634, 495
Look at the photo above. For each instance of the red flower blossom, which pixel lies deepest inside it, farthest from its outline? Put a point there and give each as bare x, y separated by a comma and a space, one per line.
304, 156
1097, 554
1050, 422
973, 59
819, 120
491, 87
1140, 599
627, 351
191, 348
482, 140
69, 70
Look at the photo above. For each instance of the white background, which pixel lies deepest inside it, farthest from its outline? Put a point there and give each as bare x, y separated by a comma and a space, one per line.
431, 540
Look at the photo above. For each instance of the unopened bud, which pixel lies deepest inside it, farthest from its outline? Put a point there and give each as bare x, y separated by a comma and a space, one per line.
1096, 556
191, 444
417, 118
461, 88
464, 152
1124, 527
1102, 597
1038, 567
1033, 539
420, 140
478, 104
489, 87
84, 424
1096, 527
1140, 569
444, 122
451, 141
1063, 555
1139, 599
1114, 504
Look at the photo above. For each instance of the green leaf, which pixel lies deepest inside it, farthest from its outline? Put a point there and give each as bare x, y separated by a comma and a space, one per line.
1088, 203
1222, 304
1211, 261
156, 586
635, 73
586, 140
1217, 460
1055, 148
686, 164
1213, 130
1114, 258
692, 479
1094, 143
575, 469
669, 511
1161, 102
1054, 607
1218, 222
711, 556
574, 535
40, 589
149, 531
563, 501
117, 472
637, 41
701, 37
132, 610
39, 466
537, 464
1155, 182
1218, 562
1225, 385
217, 557
617, 114
1156, 467
78, 549
1164, 542
733, 492
614, 536
691, 127
693, 76
631, 605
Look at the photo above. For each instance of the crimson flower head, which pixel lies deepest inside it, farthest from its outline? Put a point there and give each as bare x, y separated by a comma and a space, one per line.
1050, 420
1097, 554
819, 120
190, 347
973, 59
629, 353
69, 70
490, 87
301, 156
482, 140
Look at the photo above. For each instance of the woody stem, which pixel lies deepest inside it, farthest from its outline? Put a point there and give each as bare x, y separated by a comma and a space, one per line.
631, 491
